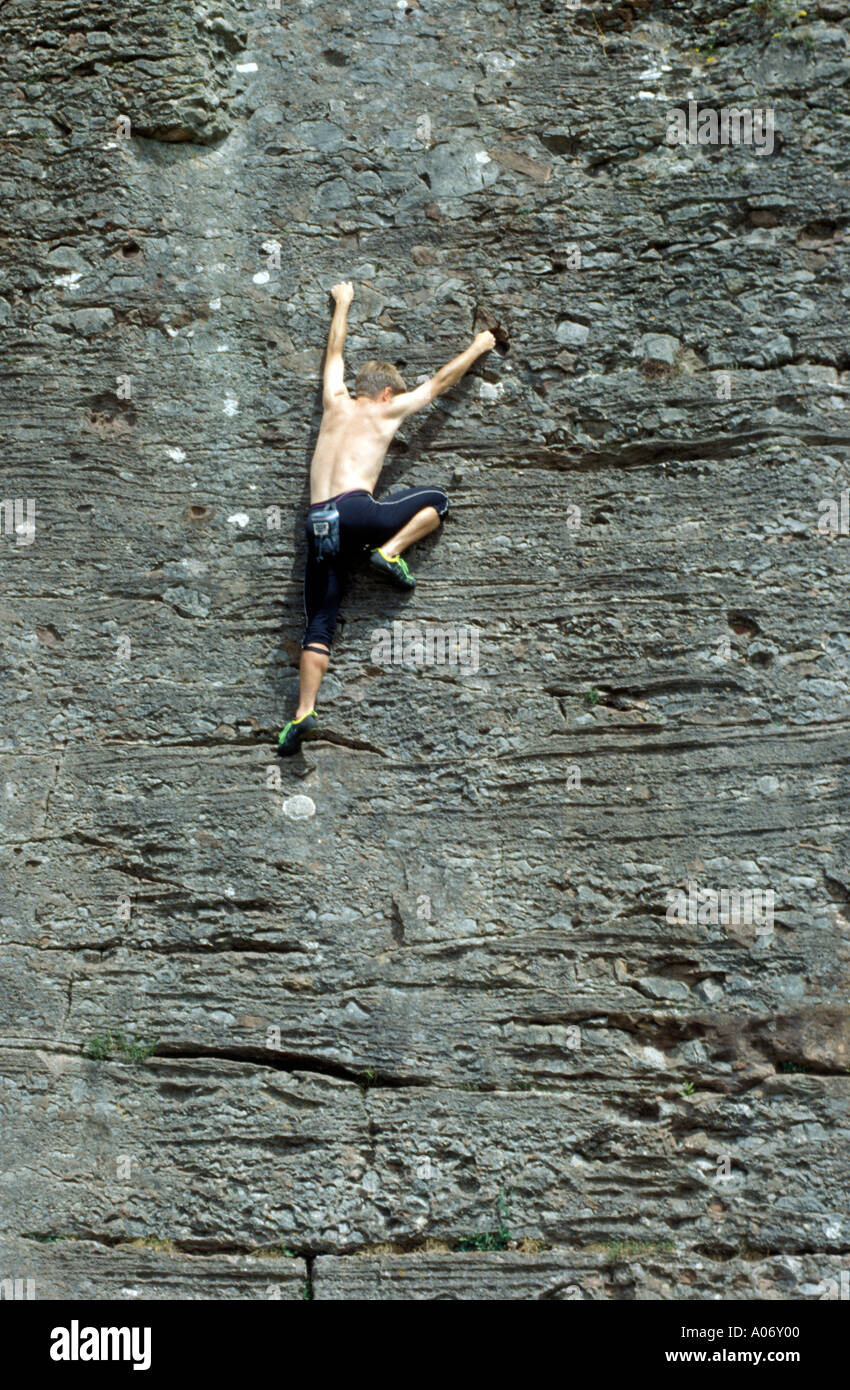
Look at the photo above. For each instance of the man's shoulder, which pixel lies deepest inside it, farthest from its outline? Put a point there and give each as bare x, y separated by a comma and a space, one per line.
337, 407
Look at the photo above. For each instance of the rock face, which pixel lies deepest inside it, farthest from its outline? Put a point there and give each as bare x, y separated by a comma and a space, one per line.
528, 980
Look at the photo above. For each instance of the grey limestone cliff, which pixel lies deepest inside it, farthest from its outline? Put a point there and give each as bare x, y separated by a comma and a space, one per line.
419, 1013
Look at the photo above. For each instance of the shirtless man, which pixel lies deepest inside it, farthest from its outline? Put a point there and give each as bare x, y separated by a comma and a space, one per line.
353, 440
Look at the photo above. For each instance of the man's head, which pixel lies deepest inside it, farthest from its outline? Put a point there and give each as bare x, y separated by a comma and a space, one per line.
380, 380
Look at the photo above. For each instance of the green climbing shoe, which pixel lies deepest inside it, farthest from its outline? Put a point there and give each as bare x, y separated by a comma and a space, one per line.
394, 567
290, 737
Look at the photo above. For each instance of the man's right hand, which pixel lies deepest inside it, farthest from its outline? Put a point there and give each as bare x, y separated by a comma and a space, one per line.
485, 341
343, 293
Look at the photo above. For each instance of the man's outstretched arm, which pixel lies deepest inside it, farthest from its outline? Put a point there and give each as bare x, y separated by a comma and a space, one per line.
334, 375
406, 402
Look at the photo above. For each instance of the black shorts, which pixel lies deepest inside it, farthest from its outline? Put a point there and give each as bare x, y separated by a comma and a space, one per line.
363, 524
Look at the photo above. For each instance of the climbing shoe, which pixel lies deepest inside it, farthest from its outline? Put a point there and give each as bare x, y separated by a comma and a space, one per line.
290, 737
394, 567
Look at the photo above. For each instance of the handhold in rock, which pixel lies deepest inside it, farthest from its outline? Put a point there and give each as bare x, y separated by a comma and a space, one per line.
484, 319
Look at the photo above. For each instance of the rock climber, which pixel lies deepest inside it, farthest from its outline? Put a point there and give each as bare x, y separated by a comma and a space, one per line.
344, 518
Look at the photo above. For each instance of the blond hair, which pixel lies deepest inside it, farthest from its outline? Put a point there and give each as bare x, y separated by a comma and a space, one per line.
373, 377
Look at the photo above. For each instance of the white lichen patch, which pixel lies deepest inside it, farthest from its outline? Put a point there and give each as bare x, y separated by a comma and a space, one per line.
490, 391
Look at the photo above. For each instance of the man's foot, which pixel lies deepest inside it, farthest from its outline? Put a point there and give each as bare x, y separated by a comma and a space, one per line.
291, 735
394, 567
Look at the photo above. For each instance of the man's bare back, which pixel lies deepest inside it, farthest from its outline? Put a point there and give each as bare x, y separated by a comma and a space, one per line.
353, 440
356, 432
